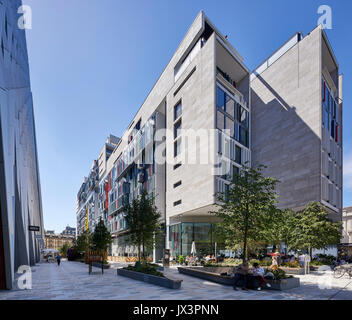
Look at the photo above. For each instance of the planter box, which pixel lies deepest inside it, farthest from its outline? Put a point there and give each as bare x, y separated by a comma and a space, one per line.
98, 265
298, 270
203, 273
284, 284
159, 281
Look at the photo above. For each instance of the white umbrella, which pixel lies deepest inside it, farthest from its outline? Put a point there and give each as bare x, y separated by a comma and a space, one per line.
193, 249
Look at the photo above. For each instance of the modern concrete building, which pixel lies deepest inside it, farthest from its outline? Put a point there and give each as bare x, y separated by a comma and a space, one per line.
20, 195
296, 99
204, 87
203, 121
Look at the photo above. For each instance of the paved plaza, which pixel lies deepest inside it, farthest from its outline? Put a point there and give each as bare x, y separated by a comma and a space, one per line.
71, 281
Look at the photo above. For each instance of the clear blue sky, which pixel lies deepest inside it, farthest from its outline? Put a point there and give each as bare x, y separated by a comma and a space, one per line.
93, 62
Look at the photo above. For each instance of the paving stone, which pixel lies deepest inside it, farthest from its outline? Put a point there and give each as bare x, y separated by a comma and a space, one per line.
72, 281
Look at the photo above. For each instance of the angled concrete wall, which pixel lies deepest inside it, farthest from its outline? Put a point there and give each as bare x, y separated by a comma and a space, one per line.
20, 196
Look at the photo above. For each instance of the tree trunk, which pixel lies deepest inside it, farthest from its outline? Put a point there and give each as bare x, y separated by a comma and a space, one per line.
311, 252
245, 251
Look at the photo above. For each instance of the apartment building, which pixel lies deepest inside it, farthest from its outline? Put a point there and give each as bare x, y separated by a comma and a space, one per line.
205, 88
20, 195
208, 115
88, 211
296, 97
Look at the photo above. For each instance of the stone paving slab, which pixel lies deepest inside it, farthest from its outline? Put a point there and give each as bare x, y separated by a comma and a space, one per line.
71, 281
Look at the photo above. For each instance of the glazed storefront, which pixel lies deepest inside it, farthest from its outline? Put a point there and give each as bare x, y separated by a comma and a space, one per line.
182, 235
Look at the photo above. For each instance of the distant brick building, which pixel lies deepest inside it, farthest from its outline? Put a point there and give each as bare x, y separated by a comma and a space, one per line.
56, 241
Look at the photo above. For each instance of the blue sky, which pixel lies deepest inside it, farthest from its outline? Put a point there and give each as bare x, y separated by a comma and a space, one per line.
93, 62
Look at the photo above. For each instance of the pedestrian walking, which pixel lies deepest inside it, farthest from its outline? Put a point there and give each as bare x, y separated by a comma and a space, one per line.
58, 259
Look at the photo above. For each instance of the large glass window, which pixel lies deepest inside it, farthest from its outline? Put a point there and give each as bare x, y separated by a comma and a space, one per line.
183, 234
187, 238
220, 98
203, 238
175, 239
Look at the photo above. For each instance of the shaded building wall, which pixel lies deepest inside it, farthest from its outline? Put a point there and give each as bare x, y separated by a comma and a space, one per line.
286, 122
20, 196
286, 100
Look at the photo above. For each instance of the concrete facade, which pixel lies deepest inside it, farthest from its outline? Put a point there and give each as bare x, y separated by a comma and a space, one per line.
210, 116
288, 133
20, 195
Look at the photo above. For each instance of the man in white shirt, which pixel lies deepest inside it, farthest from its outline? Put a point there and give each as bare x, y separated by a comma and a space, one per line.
258, 272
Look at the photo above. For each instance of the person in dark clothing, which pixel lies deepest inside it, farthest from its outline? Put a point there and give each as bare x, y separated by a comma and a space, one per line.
241, 275
58, 259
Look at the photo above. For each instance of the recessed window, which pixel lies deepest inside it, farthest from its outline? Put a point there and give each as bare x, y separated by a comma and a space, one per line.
177, 147
177, 128
177, 184
177, 165
178, 110
178, 202
238, 154
220, 98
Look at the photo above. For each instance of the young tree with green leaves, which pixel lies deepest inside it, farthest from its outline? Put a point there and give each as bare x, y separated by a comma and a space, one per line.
314, 230
142, 218
63, 250
281, 228
100, 239
246, 209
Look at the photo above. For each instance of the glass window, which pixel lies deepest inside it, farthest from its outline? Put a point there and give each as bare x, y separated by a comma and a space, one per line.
238, 112
237, 132
220, 120
235, 172
177, 110
230, 125
177, 147
177, 127
238, 155
220, 98
187, 238
175, 239
332, 128
326, 119
219, 142
244, 136
230, 106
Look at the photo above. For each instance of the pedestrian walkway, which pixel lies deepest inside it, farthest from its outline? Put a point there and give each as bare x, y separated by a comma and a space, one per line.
71, 281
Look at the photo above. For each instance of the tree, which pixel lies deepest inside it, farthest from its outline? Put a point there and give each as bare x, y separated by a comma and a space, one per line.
314, 230
100, 239
82, 242
246, 208
281, 228
142, 219
63, 250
